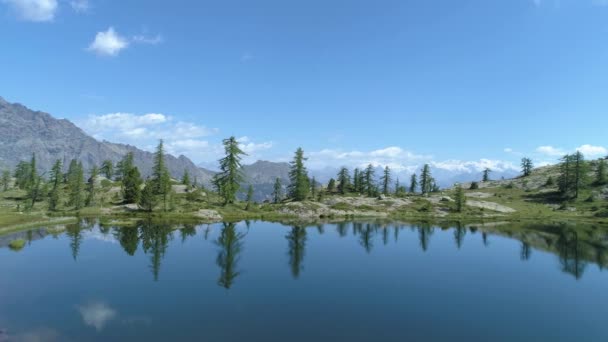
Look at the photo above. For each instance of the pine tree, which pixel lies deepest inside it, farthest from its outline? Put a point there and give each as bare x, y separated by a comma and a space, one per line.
486, 175
298, 175
331, 185
413, 183
369, 183
228, 181
249, 198
107, 169
313, 188
343, 181
277, 193
425, 180
460, 198
526, 166
566, 177
600, 173
580, 172
22, 174
56, 176
161, 179
357, 181
76, 184
92, 187
5, 180
147, 199
386, 179
186, 178
131, 179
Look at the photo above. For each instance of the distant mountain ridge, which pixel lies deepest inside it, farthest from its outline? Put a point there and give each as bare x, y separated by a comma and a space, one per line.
24, 131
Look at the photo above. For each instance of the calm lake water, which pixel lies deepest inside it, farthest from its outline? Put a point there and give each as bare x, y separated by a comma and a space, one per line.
263, 281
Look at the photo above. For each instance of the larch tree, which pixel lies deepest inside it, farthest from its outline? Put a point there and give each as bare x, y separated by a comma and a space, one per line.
357, 181
343, 180
228, 180
460, 199
486, 175
92, 187
298, 176
161, 179
55, 179
249, 198
369, 182
5, 180
186, 178
413, 183
386, 180
131, 179
425, 180
526, 166
277, 193
107, 169
147, 199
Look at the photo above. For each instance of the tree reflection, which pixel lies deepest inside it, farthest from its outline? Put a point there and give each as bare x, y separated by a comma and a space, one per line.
128, 238
187, 231
297, 248
366, 237
484, 238
74, 233
424, 235
155, 239
526, 251
231, 246
459, 234
570, 253
342, 228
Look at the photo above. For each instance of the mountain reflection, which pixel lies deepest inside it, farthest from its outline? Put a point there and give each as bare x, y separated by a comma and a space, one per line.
575, 247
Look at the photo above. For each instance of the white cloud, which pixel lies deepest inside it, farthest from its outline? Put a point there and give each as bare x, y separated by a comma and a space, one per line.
250, 147
80, 6
593, 151
550, 151
34, 10
96, 314
508, 150
394, 157
147, 40
108, 43
474, 166
586, 149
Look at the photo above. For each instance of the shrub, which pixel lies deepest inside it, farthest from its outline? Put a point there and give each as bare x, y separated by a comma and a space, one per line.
550, 181
342, 206
474, 186
602, 213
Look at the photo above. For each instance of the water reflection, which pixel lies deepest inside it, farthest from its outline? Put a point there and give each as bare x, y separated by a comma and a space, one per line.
297, 246
575, 246
231, 245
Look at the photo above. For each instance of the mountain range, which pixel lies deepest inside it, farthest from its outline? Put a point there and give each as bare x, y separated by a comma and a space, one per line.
24, 131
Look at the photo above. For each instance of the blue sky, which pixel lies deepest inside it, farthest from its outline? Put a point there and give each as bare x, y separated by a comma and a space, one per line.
460, 84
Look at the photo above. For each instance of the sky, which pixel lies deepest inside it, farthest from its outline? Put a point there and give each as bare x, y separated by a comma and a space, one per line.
460, 84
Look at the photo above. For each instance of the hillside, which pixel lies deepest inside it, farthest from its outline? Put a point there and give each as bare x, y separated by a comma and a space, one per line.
24, 131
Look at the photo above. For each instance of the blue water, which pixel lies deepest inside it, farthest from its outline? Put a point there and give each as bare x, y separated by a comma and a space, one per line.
332, 282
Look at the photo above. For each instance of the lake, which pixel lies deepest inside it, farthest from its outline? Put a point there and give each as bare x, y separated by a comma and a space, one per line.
260, 281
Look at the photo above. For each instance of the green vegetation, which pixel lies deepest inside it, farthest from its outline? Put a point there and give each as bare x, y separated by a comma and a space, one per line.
228, 181
17, 245
298, 175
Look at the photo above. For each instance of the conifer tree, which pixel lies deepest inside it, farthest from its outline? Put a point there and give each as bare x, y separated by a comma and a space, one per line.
369, 183
249, 198
357, 181
413, 183
566, 177
277, 193
76, 184
313, 188
460, 199
186, 178
386, 179
580, 172
600, 173
131, 179
107, 169
92, 187
298, 175
425, 180
22, 175
331, 185
486, 175
228, 181
526, 166
160, 175
56, 176
5, 180
147, 199
343, 181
